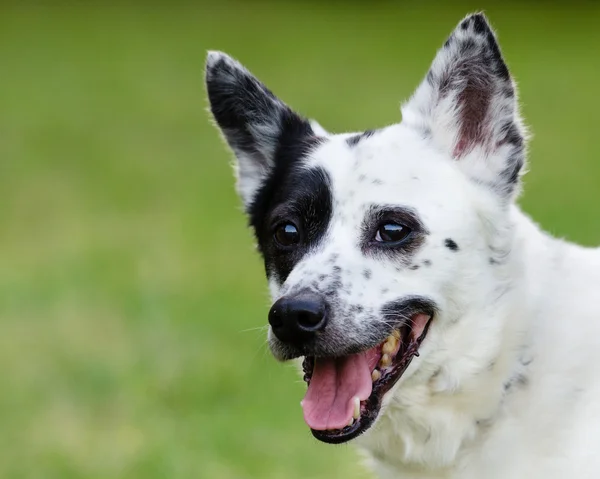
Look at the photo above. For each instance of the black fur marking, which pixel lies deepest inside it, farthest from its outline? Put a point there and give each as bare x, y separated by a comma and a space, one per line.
377, 182
511, 135
427, 262
508, 91
239, 101
479, 23
511, 173
414, 267
451, 244
356, 139
367, 273
526, 361
293, 194
517, 380
277, 140
430, 76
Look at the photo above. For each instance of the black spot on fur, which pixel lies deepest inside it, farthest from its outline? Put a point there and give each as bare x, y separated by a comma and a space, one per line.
427, 262
362, 178
337, 270
356, 139
451, 244
479, 23
511, 173
367, 273
526, 361
430, 76
377, 182
508, 91
510, 134
518, 380
414, 267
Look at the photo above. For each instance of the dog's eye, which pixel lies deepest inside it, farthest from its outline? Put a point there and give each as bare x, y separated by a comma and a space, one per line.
287, 235
391, 233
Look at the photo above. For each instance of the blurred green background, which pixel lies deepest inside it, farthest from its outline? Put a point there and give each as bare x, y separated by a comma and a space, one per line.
132, 303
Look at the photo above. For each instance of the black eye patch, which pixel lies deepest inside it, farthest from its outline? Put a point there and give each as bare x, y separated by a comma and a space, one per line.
300, 210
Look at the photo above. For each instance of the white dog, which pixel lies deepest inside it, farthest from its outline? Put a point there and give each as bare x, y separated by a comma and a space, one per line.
440, 328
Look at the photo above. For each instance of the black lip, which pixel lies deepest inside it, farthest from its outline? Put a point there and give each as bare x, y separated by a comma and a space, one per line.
372, 405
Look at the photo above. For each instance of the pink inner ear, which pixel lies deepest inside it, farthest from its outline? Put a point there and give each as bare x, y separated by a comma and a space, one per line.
474, 102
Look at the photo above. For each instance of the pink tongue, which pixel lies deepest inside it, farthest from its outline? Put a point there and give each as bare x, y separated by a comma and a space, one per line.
328, 403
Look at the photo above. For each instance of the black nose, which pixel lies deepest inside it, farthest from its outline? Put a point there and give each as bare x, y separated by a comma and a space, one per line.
297, 319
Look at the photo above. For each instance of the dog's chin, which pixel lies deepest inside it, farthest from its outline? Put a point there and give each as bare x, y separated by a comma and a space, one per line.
346, 390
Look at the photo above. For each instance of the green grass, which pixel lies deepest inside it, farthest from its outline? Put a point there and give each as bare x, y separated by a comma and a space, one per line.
131, 300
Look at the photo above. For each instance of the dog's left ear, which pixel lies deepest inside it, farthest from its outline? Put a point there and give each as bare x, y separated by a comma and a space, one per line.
257, 125
467, 106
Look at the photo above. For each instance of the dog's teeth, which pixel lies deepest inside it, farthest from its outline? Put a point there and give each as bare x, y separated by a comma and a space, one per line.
390, 345
356, 414
351, 422
385, 361
375, 375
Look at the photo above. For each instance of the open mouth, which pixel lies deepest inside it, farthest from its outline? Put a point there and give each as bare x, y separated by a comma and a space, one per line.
345, 393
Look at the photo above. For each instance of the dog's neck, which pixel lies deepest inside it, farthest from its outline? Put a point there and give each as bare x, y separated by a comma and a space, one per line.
469, 371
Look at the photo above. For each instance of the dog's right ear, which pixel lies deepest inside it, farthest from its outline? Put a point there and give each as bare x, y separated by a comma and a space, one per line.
255, 123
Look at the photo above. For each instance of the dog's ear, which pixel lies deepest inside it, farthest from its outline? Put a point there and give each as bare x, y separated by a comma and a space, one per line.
467, 105
255, 123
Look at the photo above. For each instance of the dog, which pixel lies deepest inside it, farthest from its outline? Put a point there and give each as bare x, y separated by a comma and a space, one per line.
439, 327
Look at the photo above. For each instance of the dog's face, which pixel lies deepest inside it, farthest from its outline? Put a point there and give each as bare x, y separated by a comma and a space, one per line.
375, 242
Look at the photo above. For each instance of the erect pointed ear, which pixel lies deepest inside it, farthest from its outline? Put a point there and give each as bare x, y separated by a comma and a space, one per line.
255, 123
467, 105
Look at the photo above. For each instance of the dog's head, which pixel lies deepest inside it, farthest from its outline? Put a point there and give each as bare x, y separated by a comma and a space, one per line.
377, 242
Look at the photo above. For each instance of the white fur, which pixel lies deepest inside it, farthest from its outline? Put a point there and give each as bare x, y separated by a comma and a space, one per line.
533, 320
